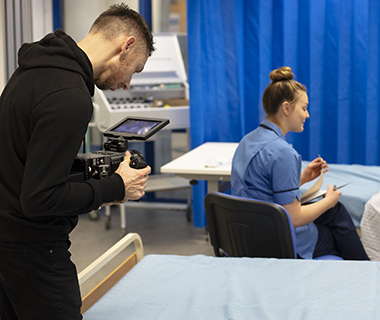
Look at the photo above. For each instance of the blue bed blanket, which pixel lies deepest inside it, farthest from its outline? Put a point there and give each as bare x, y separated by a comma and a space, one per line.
200, 287
364, 181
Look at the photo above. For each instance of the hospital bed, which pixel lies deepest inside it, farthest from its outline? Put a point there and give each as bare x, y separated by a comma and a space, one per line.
203, 287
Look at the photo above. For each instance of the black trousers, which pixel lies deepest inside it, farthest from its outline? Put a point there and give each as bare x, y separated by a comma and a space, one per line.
38, 281
337, 235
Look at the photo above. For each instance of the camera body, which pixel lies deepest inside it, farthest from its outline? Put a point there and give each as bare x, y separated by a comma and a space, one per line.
95, 165
103, 163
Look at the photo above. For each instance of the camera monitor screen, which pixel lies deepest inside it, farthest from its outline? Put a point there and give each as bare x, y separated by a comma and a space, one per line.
138, 128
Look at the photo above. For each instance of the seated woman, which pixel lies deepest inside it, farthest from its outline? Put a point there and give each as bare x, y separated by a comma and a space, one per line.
265, 167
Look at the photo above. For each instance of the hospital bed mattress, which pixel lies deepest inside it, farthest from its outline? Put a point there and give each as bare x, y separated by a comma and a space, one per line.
364, 182
201, 287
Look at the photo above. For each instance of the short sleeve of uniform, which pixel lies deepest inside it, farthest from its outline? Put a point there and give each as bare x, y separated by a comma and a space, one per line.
286, 176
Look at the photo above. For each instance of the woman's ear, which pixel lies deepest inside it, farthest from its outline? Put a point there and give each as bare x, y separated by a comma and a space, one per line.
286, 108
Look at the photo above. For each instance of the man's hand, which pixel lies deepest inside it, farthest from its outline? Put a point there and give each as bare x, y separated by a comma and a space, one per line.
135, 180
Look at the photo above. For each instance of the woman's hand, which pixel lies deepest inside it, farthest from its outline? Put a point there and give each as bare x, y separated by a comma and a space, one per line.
313, 170
302, 215
332, 196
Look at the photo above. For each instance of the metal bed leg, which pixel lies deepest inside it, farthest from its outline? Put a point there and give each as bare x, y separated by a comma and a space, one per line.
123, 220
108, 217
189, 210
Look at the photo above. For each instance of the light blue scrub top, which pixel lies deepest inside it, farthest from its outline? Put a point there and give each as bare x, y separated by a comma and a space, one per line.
265, 167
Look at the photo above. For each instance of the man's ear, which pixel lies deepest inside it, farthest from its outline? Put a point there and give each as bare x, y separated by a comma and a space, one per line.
286, 108
127, 44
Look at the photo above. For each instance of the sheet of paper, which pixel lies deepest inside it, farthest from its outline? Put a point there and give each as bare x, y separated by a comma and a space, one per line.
317, 185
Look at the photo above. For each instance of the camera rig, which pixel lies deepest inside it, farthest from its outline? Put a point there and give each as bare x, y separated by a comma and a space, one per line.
103, 163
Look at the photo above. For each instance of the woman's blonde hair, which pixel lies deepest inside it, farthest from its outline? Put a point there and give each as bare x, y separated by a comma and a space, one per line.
282, 88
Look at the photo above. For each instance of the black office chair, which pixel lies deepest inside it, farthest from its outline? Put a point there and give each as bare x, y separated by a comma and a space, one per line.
240, 227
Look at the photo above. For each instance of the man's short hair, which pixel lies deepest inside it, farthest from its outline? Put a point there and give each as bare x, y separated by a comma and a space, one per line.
120, 19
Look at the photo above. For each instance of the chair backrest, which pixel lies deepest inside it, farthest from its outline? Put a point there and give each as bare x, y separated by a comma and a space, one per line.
241, 227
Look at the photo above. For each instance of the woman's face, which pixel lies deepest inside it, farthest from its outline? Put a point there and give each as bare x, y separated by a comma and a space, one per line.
299, 114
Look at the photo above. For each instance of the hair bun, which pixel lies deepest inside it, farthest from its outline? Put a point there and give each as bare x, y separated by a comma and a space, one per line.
281, 74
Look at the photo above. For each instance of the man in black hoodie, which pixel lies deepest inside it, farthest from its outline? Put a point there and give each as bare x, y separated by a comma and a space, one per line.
44, 112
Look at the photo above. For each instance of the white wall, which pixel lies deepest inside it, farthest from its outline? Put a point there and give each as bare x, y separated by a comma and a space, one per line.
42, 18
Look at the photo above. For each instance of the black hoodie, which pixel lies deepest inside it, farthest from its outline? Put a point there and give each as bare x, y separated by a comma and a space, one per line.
44, 112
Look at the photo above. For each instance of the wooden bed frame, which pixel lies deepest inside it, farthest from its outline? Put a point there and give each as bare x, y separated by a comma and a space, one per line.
95, 294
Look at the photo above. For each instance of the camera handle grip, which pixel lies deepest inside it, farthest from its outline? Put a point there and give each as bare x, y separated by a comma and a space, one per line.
137, 160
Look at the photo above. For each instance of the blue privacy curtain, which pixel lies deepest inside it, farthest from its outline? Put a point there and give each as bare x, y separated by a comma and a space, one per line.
332, 47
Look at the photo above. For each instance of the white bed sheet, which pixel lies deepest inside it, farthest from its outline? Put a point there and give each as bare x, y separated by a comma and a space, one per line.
364, 183
201, 287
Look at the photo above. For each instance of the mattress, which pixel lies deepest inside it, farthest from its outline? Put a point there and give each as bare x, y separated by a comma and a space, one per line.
202, 287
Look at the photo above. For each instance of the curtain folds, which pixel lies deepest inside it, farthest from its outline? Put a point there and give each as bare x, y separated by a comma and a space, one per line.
332, 47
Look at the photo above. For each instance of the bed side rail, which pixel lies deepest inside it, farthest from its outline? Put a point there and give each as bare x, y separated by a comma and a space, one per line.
96, 293
112, 253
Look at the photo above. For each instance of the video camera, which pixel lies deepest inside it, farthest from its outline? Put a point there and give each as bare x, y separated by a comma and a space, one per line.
103, 163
